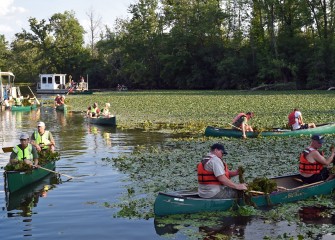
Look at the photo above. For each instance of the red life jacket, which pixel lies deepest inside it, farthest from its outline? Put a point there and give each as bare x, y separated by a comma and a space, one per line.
291, 118
307, 167
208, 177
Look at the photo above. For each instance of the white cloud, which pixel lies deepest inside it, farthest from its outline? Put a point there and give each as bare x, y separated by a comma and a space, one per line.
5, 29
7, 8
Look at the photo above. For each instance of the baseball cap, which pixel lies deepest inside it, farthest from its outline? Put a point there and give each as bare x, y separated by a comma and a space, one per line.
219, 146
24, 136
40, 124
318, 138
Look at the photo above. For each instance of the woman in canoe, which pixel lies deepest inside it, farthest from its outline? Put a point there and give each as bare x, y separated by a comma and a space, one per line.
24, 152
105, 111
240, 122
93, 111
295, 121
312, 164
214, 176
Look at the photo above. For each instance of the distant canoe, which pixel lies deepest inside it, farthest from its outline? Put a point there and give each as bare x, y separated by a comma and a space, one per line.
225, 132
15, 180
111, 121
23, 108
78, 92
289, 190
61, 108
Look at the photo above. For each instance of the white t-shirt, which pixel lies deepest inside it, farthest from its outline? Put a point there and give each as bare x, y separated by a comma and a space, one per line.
215, 165
296, 125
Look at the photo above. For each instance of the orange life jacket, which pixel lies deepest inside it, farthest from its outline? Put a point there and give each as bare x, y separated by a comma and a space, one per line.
291, 118
208, 177
307, 167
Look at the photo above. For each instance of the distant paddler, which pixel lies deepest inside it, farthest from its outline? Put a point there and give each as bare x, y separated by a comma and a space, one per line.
24, 152
240, 122
42, 139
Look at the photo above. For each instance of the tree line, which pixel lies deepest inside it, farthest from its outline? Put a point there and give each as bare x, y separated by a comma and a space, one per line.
186, 44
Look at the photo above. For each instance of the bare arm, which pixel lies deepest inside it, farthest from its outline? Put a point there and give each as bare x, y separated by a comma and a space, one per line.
227, 182
316, 156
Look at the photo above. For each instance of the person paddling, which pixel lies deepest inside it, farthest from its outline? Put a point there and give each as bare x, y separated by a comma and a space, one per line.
240, 122
24, 152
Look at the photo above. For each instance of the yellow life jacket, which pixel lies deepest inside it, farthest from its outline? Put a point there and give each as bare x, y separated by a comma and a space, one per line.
44, 139
23, 154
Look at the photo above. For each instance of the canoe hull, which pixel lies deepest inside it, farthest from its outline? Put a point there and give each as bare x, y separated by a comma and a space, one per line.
224, 132
16, 180
181, 203
61, 108
111, 121
23, 108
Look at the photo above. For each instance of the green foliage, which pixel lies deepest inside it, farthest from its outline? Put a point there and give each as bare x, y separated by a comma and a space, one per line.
262, 184
20, 166
47, 156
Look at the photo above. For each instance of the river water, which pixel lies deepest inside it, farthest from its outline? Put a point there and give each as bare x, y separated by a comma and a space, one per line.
59, 208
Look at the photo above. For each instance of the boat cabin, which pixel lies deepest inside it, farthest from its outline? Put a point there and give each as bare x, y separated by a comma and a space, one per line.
52, 83
8, 91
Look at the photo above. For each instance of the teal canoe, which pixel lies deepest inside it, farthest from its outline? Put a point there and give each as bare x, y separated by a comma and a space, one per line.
78, 92
15, 180
106, 121
61, 108
289, 190
23, 108
225, 132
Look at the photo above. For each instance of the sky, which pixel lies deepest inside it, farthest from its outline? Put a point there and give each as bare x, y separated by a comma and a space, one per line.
14, 14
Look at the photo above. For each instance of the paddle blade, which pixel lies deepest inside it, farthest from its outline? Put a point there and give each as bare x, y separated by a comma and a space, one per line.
7, 149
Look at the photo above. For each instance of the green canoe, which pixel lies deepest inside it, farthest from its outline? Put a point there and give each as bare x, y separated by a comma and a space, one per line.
225, 132
78, 92
15, 180
107, 121
289, 190
61, 108
23, 108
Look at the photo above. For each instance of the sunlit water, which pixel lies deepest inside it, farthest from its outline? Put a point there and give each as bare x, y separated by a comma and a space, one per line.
74, 209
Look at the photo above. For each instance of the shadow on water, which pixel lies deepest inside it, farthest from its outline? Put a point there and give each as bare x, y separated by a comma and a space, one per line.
24, 200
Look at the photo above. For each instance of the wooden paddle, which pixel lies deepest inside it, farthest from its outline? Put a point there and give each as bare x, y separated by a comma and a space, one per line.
235, 126
38, 102
56, 172
7, 149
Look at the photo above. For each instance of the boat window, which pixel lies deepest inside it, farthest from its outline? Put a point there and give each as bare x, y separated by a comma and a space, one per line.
44, 80
50, 80
57, 79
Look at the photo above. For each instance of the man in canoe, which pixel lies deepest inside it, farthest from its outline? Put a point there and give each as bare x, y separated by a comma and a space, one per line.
295, 121
42, 139
214, 176
24, 152
312, 164
240, 122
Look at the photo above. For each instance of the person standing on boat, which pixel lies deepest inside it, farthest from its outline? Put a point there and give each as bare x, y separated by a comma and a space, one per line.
312, 164
295, 121
42, 139
240, 122
24, 152
214, 176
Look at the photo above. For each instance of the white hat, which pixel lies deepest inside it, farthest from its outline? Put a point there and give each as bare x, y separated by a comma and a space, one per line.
24, 136
40, 124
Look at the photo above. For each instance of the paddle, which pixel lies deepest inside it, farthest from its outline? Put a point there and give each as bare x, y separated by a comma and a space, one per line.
7, 149
56, 172
38, 102
235, 126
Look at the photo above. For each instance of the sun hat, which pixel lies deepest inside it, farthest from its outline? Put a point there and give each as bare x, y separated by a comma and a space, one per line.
40, 124
219, 146
318, 138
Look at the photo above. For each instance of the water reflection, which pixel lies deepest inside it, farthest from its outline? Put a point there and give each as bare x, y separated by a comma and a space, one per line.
223, 228
316, 215
27, 198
